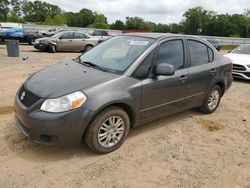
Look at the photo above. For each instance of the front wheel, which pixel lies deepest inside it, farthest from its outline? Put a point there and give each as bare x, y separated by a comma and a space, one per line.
1, 40
31, 41
108, 130
212, 100
52, 48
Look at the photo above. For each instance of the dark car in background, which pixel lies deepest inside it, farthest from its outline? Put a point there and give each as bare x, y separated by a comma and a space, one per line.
123, 82
215, 43
66, 41
101, 34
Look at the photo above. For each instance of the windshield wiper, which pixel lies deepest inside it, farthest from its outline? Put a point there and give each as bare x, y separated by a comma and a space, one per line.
90, 64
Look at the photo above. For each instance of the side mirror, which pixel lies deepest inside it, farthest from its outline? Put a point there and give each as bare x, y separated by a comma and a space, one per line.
164, 69
61, 37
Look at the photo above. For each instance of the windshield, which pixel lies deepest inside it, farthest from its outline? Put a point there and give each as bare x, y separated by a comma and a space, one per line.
118, 53
58, 34
243, 49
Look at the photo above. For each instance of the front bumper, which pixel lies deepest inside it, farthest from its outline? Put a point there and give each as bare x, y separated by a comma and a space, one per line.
242, 75
65, 128
41, 46
241, 71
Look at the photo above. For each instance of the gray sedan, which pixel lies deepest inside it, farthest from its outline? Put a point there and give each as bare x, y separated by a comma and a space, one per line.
123, 82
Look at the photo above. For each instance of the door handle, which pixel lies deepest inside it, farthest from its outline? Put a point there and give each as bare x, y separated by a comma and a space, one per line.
70, 40
183, 78
213, 71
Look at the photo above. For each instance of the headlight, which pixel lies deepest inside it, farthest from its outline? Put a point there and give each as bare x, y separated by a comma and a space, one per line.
37, 41
64, 103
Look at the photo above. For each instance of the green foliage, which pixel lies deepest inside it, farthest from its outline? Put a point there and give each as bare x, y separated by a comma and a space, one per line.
37, 11
83, 18
100, 22
58, 19
4, 9
16, 6
163, 28
135, 23
14, 17
118, 25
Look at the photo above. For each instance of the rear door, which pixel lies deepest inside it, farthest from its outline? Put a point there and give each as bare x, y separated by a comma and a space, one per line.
202, 70
80, 41
163, 95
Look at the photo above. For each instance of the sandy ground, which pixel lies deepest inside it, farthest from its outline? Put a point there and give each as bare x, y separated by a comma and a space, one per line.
188, 149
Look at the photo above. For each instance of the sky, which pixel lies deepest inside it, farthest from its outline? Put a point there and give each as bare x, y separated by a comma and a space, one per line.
158, 11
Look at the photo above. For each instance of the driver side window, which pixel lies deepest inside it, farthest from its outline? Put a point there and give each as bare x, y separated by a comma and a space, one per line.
171, 52
143, 69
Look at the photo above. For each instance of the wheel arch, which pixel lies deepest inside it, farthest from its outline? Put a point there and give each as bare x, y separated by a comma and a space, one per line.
126, 107
222, 86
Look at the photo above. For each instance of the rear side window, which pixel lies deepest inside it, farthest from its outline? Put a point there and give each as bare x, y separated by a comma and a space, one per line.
199, 53
171, 52
80, 36
67, 36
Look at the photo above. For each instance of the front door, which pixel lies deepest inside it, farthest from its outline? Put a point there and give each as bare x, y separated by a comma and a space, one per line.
165, 94
65, 42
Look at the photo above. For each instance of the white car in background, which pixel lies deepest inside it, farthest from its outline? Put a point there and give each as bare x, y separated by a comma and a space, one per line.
240, 58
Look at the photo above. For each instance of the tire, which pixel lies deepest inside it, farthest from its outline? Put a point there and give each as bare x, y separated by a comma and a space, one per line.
1, 40
212, 100
52, 48
101, 126
88, 47
31, 41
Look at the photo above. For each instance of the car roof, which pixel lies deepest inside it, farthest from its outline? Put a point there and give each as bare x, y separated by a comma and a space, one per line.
159, 35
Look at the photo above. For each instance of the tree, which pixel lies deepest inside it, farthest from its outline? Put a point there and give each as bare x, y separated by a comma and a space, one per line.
16, 6
14, 17
4, 9
195, 20
83, 18
100, 22
135, 23
163, 28
118, 25
58, 19
37, 11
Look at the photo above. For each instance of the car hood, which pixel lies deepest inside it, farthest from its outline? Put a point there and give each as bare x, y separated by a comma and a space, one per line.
65, 78
47, 39
241, 59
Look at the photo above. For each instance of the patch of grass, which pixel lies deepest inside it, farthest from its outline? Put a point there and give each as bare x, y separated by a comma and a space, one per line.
228, 47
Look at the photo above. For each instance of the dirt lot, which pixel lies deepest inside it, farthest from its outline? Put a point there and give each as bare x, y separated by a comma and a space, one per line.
185, 150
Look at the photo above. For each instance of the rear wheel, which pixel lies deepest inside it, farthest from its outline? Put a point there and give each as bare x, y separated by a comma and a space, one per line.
212, 100
88, 47
52, 48
108, 130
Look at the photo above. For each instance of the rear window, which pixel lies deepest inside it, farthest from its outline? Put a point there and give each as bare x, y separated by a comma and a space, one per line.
199, 53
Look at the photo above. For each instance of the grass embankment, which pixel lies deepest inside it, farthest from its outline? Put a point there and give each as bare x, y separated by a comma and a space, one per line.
228, 47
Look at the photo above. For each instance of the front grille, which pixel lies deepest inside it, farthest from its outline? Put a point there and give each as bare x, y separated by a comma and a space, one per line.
27, 98
238, 67
247, 74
